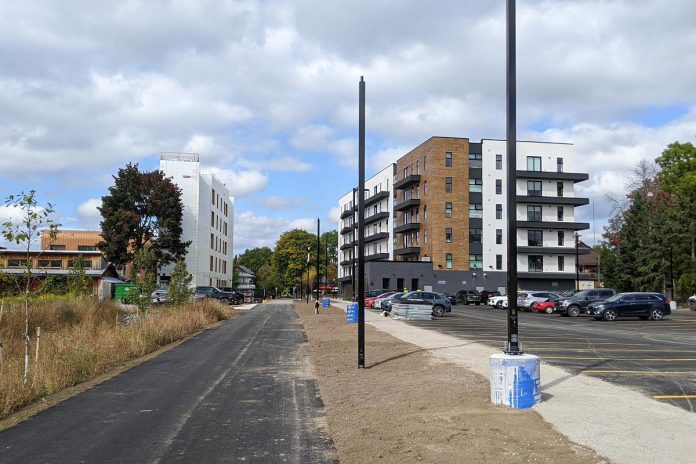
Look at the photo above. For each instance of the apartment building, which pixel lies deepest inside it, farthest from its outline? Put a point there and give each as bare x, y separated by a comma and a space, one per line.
208, 221
379, 233
450, 217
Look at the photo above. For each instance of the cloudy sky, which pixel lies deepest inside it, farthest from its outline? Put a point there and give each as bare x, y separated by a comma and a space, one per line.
266, 92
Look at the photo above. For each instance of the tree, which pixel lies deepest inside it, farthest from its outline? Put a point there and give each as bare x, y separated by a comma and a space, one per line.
290, 255
144, 276
180, 284
78, 282
254, 258
142, 208
235, 273
26, 231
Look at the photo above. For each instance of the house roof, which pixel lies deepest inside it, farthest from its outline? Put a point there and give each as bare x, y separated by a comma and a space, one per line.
245, 270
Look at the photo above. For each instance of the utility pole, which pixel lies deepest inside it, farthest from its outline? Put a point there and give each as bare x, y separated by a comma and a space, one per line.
577, 261
307, 292
318, 257
513, 344
361, 225
353, 260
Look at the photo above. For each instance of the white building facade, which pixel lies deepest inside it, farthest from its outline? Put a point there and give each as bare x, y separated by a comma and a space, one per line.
208, 220
379, 231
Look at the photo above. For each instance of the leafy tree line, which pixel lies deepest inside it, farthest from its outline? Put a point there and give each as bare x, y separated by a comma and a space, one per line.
651, 237
285, 267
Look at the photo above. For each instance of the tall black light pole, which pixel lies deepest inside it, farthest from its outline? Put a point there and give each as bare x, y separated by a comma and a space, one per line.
577, 260
326, 262
513, 344
353, 259
318, 258
361, 225
671, 274
308, 291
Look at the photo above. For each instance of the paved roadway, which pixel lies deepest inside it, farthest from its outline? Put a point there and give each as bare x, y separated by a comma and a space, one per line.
236, 393
657, 358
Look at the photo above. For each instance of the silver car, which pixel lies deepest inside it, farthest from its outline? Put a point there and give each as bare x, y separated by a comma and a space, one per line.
692, 302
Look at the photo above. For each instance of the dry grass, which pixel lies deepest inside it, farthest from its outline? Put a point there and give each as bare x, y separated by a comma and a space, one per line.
81, 339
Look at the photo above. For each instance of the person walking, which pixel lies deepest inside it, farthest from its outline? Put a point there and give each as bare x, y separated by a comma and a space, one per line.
316, 307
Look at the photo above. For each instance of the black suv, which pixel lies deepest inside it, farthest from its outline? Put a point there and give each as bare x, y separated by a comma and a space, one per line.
216, 293
469, 297
577, 304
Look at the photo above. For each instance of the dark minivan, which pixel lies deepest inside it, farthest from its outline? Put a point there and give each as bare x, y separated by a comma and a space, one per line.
577, 304
644, 305
468, 297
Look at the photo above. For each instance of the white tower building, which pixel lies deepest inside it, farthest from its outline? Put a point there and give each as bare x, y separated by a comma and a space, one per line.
208, 220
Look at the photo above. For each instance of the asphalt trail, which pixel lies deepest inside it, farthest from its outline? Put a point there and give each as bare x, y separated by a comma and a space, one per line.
241, 392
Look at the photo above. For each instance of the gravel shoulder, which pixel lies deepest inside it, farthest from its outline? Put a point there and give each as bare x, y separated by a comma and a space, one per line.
409, 406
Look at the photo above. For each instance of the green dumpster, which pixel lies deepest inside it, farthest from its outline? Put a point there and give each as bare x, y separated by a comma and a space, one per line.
124, 292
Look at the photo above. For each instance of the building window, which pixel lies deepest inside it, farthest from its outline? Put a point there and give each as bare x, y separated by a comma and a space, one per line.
16, 263
534, 213
212, 219
212, 198
498, 236
475, 185
405, 172
448, 159
534, 163
535, 238
448, 235
86, 248
559, 211
561, 238
559, 164
475, 210
559, 189
212, 242
499, 186
535, 263
499, 162
561, 263
499, 211
475, 261
49, 263
448, 260
57, 247
84, 264
448, 210
425, 236
475, 160
425, 213
425, 161
534, 188
498, 262
474, 235
448, 184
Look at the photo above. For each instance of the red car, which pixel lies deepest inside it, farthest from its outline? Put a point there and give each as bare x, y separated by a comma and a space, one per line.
544, 306
368, 301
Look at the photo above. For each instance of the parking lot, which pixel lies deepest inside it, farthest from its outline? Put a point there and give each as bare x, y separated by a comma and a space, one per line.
656, 358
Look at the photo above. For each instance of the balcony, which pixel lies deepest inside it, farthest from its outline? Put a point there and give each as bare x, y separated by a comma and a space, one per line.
347, 230
376, 237
541, 250
347, 246
406, 204
348, 212
377, 217
556, 225
549, 175
407, 251
407, 182
377, 257
407, 227
379, 196
346, 262
549, 200
568, 275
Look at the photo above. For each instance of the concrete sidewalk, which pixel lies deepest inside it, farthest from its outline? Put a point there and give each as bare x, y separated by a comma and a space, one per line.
619, 423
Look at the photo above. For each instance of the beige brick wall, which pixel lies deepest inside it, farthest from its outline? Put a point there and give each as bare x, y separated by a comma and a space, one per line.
428, 160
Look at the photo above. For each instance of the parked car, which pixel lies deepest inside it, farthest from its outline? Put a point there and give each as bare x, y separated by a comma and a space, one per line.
379, 302
569, 293
692, 302
238, 297
486, 294
439, 301
216, 293
386, 304
468, 297
644, 305
525, 299
578, 303
370, 300
452, 299
497, 301
547, 307
160, 296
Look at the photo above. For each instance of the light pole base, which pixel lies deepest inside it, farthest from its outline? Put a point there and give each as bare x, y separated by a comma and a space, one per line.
515, 380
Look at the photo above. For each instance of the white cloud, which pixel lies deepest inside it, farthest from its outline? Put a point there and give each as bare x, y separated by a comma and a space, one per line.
310, 225
281, 163
241, 183
282, 203
334, 215
252, 230
89, 214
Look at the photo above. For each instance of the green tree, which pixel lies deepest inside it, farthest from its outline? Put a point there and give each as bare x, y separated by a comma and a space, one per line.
78, 283
26, 231
254, 258
144, 276
290, 256
329, 242
180, 284
142, 208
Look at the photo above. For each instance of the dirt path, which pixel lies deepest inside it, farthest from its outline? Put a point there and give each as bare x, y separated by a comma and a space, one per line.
407, 407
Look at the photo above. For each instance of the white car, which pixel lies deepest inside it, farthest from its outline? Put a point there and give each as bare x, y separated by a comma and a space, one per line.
499, 301
692, 302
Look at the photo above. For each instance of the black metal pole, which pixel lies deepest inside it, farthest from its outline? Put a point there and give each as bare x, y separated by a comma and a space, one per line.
308, 290
513, 344
326, 262
318, 257
577, 261
361, 225
671, 275
353, 260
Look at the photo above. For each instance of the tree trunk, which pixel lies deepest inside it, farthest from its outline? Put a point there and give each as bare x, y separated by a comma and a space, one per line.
2, 307
26, 336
